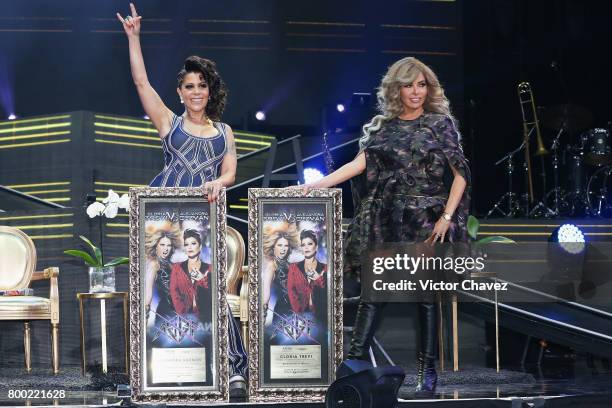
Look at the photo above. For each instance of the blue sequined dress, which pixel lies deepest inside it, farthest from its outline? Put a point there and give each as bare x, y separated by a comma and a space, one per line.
190, 161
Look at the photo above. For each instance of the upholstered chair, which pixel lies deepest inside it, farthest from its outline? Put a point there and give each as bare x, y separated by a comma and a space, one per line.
17, 271
237, 281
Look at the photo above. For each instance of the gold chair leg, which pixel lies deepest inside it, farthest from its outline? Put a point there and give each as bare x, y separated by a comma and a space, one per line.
55, 357
26, 346
245, 335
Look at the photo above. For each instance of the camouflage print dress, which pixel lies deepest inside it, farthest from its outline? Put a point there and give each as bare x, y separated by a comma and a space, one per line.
407, 183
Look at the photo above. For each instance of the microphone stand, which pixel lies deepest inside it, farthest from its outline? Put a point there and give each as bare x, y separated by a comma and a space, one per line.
513, 205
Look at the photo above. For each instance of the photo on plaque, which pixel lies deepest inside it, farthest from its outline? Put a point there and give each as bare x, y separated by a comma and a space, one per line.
295, 293
178, 325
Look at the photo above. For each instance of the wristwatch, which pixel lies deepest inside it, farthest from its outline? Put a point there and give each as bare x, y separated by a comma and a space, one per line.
446, 216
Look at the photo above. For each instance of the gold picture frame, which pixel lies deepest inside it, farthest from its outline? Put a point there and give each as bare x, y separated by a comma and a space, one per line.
178, 312
295, 313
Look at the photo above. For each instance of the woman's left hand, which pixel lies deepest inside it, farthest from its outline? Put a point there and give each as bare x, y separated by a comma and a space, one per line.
212, 188
439, 231
305, 188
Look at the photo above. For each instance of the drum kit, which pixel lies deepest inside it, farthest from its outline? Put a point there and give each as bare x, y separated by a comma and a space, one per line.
584, 162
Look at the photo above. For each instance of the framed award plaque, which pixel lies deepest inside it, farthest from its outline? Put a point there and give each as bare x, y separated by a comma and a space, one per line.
178, 323
295, 293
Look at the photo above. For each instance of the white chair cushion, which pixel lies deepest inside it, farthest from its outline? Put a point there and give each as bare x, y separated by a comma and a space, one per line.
23, 303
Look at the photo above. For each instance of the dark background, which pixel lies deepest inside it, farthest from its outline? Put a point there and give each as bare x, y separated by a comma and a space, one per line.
294, 58
509, 41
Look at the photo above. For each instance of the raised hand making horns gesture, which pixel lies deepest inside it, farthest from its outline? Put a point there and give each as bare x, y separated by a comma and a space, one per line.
131, 24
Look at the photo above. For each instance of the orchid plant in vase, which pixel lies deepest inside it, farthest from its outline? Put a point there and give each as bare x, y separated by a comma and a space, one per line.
102, 274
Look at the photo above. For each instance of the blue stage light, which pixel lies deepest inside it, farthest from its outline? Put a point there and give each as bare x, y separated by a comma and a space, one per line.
260, 116
570, 238
340, 107
570, 233
312, 175
12, 116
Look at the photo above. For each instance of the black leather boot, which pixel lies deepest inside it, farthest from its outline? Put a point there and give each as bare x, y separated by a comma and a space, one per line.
363, 331
427, 378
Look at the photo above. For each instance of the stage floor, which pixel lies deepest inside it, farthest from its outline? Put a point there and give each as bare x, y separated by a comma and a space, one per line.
550, 387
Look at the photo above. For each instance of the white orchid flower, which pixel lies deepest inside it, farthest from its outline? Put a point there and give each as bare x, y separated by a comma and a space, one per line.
112, 198
111, 209
94, 209
124, 202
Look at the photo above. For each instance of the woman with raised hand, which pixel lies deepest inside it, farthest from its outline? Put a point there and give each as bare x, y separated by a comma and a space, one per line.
199, 149
198, 129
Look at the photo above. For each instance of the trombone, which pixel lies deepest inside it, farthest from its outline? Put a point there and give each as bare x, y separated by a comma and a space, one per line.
530, 124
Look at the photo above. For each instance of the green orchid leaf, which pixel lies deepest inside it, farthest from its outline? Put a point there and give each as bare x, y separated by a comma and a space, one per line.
118, 261
84, 256
94, 249
472, 226
495, 239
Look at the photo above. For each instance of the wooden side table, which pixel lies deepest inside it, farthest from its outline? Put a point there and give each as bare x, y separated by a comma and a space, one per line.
102, 298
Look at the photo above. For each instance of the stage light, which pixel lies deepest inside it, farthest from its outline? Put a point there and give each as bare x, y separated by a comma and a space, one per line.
312, 175
12, 116
566, 255
570, 233
340, 107
260, 116
146, 117
360, 384
569, 237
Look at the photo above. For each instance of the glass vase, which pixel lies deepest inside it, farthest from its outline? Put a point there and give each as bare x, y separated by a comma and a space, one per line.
101, 279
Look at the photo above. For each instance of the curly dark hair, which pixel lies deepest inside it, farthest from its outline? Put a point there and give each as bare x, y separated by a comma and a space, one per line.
191, 233
309, 234
217, 89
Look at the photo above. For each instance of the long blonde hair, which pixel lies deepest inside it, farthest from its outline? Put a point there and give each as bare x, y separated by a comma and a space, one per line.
402, 72
271, 234
153, 234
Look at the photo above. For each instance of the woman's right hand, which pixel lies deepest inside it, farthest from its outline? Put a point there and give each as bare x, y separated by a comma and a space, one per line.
131, 24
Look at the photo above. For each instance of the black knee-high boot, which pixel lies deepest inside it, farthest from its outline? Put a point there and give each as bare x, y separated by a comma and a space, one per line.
427, 377
363, 331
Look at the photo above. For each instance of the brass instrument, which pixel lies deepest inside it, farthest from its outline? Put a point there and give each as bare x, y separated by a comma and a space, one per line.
530, 124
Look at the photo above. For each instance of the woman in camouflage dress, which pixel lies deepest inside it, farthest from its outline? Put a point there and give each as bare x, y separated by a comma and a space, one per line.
415, 190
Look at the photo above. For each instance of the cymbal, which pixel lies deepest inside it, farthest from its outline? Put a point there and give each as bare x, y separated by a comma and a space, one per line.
573, 117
